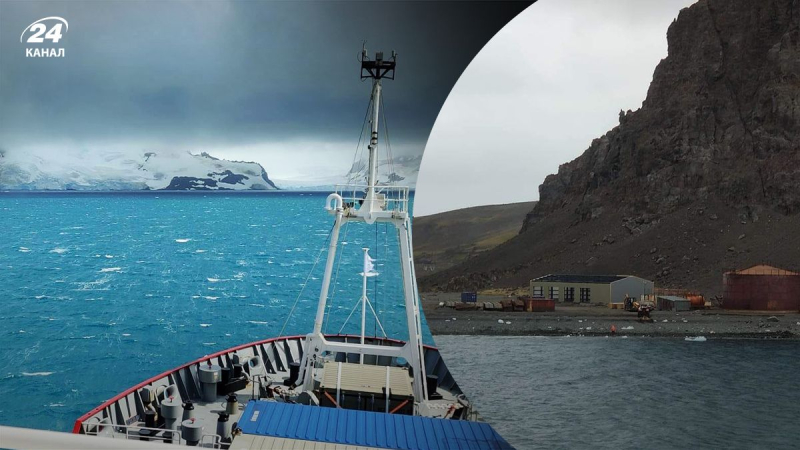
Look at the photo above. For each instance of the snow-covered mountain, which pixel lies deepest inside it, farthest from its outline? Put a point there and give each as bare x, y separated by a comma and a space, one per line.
127, 170
401, 171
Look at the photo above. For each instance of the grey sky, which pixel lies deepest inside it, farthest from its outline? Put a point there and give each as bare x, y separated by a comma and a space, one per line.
274, 82
547, 84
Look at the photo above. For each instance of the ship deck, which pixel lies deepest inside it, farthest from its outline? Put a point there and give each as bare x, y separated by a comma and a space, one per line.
266, 365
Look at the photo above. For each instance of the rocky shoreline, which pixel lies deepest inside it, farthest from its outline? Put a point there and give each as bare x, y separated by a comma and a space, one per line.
582, 320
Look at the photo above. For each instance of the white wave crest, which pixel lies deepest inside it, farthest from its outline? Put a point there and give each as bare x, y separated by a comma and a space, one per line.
36, 374
182, 241
111, 269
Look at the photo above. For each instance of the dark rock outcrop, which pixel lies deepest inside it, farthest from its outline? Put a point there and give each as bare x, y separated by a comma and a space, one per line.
721, 119
713, 153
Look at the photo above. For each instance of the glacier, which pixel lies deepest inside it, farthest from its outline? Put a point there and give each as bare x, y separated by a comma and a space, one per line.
127, 170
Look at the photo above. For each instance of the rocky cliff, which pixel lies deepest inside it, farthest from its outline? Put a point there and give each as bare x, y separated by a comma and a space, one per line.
721, 119
714, 147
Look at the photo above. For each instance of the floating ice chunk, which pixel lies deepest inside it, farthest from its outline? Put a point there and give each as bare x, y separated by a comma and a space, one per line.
665, 320
454, 318
205, 325
626, 328
588, 328
500, 321
508, 323
695, 339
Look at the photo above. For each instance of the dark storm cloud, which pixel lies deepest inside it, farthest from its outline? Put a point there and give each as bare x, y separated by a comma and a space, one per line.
232, 72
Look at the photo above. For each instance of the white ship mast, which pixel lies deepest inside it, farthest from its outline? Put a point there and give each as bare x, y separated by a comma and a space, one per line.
370, 204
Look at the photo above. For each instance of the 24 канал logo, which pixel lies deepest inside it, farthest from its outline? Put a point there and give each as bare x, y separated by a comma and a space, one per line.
50, 29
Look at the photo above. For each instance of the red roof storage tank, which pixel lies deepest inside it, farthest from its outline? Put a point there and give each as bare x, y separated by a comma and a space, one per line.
762, 288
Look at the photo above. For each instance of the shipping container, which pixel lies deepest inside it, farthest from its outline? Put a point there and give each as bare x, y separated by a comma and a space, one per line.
539, 304
469, 297
673, 303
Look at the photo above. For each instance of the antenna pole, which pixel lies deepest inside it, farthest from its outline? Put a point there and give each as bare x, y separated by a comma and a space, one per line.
364, 305
373, 141
376, 69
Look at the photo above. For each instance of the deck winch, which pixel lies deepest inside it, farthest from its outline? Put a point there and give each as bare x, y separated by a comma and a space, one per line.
210, 375
171, 411
192, 431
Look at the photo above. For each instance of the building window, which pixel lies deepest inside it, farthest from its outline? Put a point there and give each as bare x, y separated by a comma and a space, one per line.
554, 293
569, 294
538, 292
585, 297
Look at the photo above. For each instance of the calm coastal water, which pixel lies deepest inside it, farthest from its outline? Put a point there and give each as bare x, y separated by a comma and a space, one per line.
101, 291
598, 393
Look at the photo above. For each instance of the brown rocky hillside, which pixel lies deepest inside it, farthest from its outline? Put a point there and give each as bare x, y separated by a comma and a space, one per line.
449, 238
704, 177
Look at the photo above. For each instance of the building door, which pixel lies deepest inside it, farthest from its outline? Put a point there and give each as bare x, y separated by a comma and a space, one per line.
569, 294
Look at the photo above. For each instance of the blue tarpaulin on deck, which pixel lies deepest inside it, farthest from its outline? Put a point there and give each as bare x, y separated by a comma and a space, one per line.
366, 428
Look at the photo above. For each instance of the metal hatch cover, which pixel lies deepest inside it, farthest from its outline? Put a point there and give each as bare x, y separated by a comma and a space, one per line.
366, 428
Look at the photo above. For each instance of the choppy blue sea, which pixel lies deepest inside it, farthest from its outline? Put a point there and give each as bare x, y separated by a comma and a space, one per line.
101, 291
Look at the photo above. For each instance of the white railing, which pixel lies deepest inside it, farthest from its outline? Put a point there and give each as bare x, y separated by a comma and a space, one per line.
158, 435
392, 198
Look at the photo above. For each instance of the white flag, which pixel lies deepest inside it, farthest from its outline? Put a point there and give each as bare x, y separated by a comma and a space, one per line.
369, 268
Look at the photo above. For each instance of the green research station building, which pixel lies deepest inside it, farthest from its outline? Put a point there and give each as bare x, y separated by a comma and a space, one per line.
590, 288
